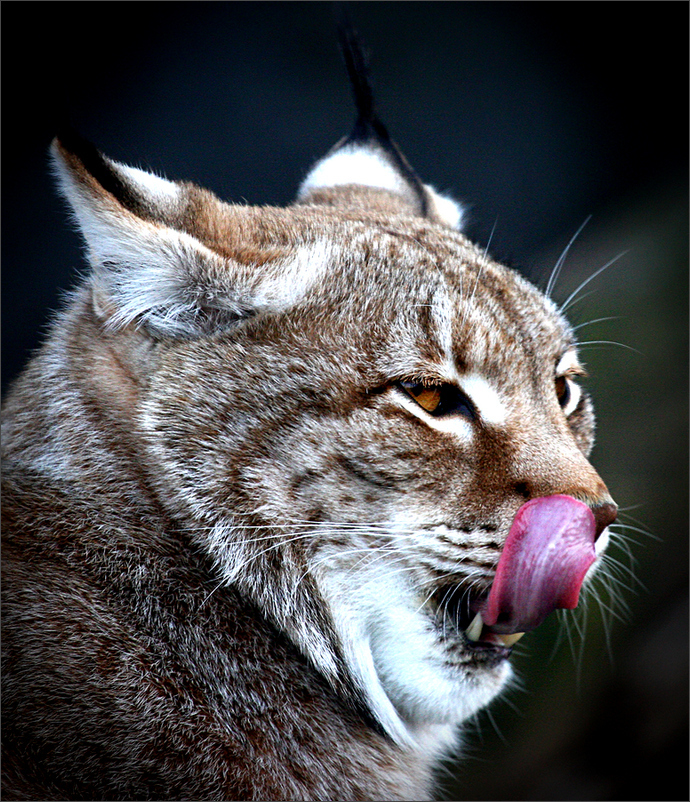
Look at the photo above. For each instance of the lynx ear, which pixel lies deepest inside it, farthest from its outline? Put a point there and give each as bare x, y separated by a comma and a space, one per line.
148, 270
370, 158
367, 164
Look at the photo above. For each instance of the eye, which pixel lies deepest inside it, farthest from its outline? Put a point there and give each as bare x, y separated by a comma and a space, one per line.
439, 399
568, 394
563, 390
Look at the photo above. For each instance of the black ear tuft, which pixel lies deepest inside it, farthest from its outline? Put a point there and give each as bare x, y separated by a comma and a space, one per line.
74, 145
357, 65
368, 128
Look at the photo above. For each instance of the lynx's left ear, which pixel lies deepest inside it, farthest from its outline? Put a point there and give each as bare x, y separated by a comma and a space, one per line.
368, 157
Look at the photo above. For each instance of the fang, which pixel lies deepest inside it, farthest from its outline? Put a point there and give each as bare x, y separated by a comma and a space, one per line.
474, 630
509, 640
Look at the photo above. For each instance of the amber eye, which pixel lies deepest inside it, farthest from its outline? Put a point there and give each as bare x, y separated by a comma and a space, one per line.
563, 390
439, 399
427, 397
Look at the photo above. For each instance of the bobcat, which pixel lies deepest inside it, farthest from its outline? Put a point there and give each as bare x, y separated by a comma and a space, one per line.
282, 488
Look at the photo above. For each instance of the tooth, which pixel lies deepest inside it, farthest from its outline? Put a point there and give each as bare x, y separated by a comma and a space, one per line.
474, 630
509, 640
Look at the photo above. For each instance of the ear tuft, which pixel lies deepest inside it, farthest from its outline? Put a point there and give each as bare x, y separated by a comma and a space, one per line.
368, 157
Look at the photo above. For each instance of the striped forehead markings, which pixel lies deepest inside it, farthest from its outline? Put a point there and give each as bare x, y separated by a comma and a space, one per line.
486, 398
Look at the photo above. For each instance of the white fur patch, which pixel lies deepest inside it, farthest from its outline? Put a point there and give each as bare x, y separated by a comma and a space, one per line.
283, 283
147, 273
160, 190
368, 167
568, 361
353, 164
393, 649
600, 546
602, 542
485, 398
412, 668
448, 210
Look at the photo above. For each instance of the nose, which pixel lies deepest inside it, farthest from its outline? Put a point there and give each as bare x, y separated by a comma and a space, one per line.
604, 514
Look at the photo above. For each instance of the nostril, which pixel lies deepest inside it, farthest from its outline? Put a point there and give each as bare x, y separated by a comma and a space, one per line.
604, 514
522, 489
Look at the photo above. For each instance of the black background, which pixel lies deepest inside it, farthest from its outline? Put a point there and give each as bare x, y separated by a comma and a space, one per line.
537, 116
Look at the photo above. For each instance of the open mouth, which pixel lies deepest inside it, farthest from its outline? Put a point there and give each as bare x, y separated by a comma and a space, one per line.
459, 609
546, 555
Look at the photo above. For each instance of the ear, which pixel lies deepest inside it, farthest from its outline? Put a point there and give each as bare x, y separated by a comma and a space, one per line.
367, 164
369, 157
148, 271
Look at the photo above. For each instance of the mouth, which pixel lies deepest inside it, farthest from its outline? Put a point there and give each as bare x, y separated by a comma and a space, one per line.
543, 563
459, 609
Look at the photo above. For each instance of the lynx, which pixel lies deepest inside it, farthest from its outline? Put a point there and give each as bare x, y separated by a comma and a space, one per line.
282, 488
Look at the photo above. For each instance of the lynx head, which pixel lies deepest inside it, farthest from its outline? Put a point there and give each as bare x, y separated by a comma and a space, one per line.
374, 430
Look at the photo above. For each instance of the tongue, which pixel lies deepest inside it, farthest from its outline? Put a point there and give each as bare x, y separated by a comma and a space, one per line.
546, 555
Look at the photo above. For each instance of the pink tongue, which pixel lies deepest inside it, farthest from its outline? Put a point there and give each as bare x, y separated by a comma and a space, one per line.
546, 555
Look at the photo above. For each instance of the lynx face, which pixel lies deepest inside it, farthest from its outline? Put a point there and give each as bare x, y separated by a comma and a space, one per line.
374, 430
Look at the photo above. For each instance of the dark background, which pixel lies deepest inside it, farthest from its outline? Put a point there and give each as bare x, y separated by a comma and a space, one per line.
537, 115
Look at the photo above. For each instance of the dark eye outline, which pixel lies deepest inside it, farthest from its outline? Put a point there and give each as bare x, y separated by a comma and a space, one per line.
569, 393
451, 399
563, 391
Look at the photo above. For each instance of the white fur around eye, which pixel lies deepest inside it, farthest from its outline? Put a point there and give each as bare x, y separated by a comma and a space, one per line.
575, 395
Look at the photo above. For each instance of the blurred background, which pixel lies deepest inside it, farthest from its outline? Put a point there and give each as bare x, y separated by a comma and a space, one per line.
539, 116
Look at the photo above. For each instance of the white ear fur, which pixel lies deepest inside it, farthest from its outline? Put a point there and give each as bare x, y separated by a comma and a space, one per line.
366, 165
446, 209
157, 189
353, 164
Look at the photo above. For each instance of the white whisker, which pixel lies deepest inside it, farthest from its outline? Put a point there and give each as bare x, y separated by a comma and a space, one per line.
609, 342
596, 320
555, 273
596, 273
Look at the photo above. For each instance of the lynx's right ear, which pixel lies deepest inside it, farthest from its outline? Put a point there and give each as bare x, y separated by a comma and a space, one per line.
368, 157
149, 269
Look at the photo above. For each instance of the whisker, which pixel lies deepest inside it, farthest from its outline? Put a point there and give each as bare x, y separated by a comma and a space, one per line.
581, 298
596, 320
632, 528
496, 727
479, 273
596, 273
215, 590
491, 236
609, 342
555, 273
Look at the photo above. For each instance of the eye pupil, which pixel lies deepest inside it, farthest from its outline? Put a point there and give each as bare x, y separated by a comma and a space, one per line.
439, 399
